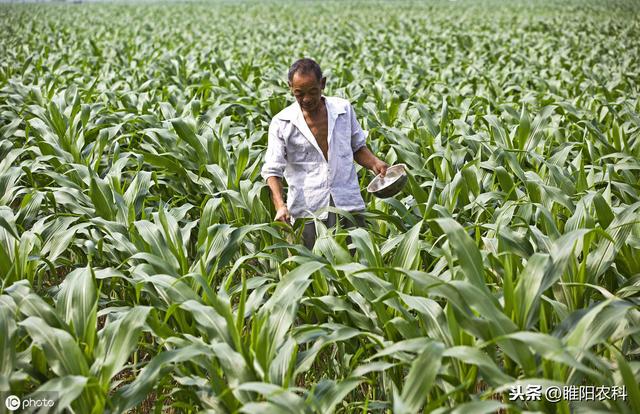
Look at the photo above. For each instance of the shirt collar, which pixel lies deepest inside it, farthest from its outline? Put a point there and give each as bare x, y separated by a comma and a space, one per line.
294, 114
293, 111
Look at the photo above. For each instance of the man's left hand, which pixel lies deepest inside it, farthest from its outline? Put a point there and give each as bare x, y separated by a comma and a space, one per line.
380, 167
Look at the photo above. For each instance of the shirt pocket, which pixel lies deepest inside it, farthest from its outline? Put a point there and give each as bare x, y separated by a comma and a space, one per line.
342, 138
343, 147
298, 149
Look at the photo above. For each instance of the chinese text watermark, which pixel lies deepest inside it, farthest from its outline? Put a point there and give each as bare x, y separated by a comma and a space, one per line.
532, 392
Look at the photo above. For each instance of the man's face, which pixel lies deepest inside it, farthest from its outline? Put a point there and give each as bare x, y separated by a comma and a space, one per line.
307, 89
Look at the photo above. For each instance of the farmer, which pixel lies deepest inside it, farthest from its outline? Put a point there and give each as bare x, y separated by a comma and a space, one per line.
312, 144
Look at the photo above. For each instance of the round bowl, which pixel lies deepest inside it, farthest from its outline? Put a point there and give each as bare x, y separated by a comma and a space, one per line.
390, 184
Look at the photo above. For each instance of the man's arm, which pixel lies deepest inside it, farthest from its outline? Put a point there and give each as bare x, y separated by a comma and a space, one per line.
361, 154
365, 157
275, 185
273, 168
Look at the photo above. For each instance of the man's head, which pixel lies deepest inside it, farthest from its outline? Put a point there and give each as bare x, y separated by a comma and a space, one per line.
306, 83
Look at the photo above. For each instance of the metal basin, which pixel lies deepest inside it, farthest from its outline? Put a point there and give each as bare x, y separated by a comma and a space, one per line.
390, 184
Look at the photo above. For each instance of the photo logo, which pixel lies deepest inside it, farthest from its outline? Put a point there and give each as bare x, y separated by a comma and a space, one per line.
12, 403
45, 400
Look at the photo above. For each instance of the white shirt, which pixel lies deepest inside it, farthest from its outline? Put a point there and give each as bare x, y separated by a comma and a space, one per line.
293, 152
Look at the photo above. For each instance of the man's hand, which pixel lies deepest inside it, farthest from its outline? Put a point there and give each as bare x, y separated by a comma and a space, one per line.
282, 214
366, 158
379, 167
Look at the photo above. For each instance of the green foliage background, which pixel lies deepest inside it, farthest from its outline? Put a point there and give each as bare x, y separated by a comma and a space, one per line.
140, 268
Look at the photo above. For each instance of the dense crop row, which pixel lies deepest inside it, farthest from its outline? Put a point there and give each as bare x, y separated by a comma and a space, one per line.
140, 266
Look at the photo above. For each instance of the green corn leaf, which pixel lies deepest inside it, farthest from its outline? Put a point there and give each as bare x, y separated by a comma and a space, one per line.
527, 291
185, 132
102, 198
62, 352
420, 379
491, 373
629, 380
77, 304
7, 346
407, 255
479, 407
134, 393
116, 342
326, 394
466, 251
65, 392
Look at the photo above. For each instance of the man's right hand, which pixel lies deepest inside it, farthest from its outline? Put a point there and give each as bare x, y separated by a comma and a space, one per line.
282, 214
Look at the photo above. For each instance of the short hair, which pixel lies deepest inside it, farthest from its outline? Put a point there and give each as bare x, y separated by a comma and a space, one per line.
303, 66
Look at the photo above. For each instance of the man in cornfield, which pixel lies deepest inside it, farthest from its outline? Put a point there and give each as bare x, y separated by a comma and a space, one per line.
312, 144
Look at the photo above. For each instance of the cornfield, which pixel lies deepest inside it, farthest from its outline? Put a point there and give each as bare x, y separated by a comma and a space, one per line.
141, 269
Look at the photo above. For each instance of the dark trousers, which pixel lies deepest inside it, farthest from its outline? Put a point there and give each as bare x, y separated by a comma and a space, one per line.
309, 231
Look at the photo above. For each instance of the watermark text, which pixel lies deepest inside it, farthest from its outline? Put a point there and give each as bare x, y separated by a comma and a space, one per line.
532, 392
